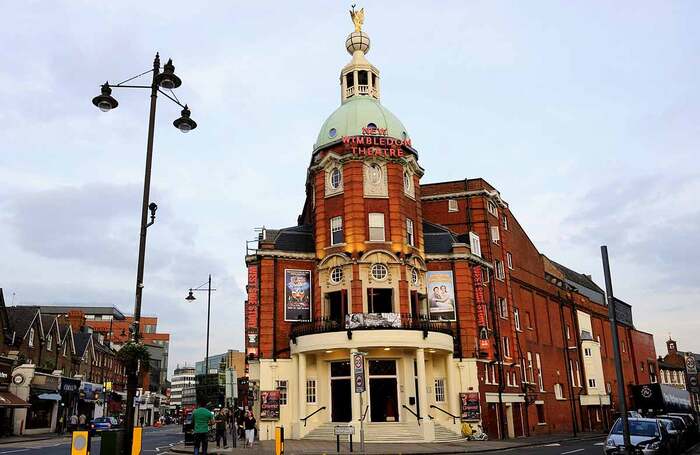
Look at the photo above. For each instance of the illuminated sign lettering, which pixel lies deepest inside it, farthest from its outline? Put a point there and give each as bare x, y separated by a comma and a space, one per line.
376, 142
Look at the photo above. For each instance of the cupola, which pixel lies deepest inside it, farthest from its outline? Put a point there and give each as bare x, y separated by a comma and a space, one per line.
359, 77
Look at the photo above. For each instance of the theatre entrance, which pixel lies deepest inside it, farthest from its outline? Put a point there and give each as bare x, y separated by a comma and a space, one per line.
341, 402
383, 391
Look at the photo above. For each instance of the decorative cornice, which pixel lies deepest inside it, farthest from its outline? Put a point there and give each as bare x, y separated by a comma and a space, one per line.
458, 256
491, 194
279, 254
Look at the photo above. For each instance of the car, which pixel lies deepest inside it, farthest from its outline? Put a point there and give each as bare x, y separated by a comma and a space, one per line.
676, 431
102, 424
188, 429
648, 436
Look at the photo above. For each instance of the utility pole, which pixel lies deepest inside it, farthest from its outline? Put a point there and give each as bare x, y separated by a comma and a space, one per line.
616, 350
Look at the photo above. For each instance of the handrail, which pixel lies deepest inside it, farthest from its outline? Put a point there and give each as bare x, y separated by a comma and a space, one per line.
454, 417
405, 321
310, 415
419, 418
364, 414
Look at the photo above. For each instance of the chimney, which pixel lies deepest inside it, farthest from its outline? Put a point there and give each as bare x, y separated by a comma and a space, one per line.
76, 319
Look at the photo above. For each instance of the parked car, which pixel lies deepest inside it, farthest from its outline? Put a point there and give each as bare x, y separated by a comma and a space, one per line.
103, 423
188, 429
692, 424
648, 436
676, 431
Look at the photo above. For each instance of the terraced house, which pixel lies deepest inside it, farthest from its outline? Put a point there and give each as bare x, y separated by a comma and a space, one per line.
460, 319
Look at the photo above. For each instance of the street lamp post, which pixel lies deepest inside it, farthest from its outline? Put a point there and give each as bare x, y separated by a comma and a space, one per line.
105, 102
190, 298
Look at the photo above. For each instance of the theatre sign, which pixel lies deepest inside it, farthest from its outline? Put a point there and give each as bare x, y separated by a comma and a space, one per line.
376, 142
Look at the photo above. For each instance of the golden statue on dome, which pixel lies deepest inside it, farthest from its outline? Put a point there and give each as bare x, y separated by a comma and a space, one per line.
358, 18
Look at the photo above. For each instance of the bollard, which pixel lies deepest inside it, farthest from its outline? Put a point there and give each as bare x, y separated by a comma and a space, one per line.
79, 443
136, 441
279, 441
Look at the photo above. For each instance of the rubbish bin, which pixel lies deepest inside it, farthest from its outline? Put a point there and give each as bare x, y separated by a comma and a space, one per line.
112, 442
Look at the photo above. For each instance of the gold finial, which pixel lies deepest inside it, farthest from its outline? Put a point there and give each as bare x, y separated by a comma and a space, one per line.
358, 18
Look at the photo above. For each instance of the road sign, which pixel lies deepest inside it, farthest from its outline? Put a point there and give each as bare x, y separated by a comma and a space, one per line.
691, 365
343, 429
358, 362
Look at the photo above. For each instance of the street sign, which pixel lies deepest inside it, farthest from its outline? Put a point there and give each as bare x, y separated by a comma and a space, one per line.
343, 429
691, 365
358, 362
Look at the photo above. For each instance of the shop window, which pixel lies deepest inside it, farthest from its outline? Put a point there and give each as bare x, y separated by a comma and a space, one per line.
475, 245
311, 391
540, 413
376, 227
337, 230
440, 390
282, 385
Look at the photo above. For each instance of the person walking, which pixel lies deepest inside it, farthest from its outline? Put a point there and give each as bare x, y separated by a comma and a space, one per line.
201, 418
82, 420
73, 423
220, 423
249, 425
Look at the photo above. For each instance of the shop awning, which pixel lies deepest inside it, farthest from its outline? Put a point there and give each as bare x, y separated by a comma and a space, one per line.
49, 396
10, 400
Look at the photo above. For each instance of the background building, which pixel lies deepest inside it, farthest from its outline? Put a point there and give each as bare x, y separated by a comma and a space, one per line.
183, 394
676, 370
232, 359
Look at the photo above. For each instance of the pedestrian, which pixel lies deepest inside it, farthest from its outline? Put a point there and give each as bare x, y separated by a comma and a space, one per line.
201, 418
73, 422
240, 431
220, 423
249, 425
81, 421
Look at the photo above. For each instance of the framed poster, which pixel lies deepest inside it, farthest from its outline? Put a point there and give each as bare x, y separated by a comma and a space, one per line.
441, 295
297, 295
469, 406
270, 405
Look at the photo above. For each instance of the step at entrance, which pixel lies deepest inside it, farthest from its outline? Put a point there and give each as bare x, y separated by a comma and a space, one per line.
444, 434
374, 432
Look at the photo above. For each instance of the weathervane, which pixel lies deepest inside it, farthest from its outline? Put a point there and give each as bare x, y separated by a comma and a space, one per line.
358, 18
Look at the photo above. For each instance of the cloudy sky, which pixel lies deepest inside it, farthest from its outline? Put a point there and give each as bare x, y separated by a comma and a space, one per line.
583, 114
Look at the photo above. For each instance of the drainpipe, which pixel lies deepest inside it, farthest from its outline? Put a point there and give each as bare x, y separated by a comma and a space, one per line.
459, 330
567, 364
274, 306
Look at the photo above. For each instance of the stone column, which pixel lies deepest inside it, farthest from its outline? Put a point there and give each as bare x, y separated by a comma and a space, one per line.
452, 390
426, 423
301, 394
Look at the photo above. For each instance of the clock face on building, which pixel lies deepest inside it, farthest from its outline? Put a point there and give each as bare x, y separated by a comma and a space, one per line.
690, 363
18, 379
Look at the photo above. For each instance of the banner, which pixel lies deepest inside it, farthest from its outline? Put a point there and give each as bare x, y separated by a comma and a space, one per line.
691, 364
441, 295
270, 405
469, 406
358, 362
481, 314
297, 295
372, 320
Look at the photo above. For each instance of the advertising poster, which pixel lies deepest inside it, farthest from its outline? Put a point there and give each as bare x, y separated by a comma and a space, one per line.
441, 295
297, 295
481, 315
270, 405
469, 406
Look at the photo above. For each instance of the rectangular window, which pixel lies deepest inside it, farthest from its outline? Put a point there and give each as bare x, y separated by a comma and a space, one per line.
311, 391
281, 385
506, 347
540, 380
540, 413
558, 392
475, 244
568, 332
505, 223
491, 207
578, 375
502, 308
376, 227
409, 232
528, 320
337, 230
31, 337
452, 205
49, 342
500, 271
587, 352
440, 390
509, 260
516, 318
591, 383
485, 275
495, 235
530, 370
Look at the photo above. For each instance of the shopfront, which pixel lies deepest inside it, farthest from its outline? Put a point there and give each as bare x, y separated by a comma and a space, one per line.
90, 403
40, 391
69, 389
8, 401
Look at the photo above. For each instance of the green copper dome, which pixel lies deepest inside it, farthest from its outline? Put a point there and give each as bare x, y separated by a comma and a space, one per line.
353, 115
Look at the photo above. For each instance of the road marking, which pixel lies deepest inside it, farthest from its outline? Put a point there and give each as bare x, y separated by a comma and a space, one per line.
599, 444
18, 450
554, 444
573, 451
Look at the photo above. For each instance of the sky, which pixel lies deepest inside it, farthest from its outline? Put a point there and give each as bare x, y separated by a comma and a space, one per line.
583, 114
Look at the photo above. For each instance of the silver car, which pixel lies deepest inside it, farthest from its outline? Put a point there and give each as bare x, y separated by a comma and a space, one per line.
648, 436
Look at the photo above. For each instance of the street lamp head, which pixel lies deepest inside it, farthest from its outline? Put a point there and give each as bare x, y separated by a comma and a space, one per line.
167, 79
185, 123
190, 297
153, 207
105, 102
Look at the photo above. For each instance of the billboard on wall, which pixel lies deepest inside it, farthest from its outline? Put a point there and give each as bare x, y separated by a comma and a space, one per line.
441, 295
251, 312
297, 295
469, 406
481, 315
269, 405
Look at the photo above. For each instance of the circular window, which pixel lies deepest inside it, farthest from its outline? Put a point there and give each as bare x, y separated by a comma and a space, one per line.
375, 174
406, 181
371, 125
332, 132
379, 271
336, 275
414, 277
336, 178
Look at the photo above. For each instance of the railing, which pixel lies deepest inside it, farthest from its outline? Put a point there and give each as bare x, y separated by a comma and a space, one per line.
312, 414
360, 90
397, 322
454, 417
418, 418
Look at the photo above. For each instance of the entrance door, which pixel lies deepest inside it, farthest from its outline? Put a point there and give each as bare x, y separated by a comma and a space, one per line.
509, 421
341, 393
383, 396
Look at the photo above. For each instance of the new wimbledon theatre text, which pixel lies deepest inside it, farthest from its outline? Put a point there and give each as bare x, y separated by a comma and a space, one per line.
376, 142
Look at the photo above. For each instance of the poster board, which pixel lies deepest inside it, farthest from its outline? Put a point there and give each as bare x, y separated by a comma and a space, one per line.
297, 295
441, 295
469, 406
269, 405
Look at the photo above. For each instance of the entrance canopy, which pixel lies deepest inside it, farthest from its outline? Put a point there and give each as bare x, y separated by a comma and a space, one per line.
10, 400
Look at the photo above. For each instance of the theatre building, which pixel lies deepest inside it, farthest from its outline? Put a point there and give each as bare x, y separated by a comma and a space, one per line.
459, 318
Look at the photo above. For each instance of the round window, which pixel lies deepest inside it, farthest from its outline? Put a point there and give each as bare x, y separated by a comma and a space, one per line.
406, 181
414, 276
336, 178
371, 125
375, 174
379, 272
336, 275
332, 132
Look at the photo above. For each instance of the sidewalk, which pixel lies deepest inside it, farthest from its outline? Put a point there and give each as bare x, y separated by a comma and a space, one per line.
306, 447
34, 437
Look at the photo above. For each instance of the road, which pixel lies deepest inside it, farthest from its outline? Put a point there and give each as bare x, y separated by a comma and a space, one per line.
589, 447
156, 441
